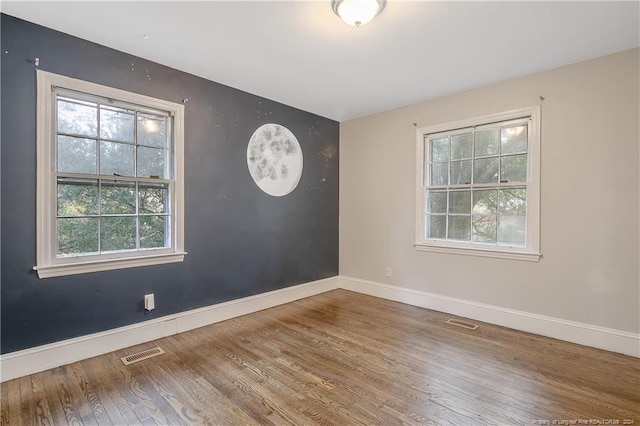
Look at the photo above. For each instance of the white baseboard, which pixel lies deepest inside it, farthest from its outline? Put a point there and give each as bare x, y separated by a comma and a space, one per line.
40, 358
585, 334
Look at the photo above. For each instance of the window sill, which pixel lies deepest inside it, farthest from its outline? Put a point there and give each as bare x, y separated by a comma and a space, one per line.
479, 251
48, 271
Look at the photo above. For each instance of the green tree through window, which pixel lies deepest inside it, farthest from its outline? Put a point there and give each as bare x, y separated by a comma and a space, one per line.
112, 177
478, 186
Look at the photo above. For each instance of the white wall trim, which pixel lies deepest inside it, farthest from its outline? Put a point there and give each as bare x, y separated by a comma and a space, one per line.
576, 332
40, 358
49, 264
529, 116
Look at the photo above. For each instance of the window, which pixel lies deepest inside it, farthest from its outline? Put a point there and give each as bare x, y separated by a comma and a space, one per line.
110, 178
478, 186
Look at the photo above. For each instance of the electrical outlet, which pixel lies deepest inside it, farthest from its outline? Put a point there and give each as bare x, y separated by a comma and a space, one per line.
388, 272
149, 302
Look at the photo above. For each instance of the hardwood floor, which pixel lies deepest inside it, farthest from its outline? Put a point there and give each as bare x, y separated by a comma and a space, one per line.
338, 358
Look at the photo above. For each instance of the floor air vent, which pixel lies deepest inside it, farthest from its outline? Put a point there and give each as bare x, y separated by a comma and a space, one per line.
149, 353
462, 324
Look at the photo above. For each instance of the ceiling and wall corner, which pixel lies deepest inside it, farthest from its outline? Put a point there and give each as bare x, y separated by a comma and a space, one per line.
301, 54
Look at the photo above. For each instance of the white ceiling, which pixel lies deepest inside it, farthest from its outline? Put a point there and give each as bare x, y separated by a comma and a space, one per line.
301, 54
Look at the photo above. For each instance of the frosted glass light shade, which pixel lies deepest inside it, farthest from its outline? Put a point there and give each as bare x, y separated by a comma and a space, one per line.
357, 12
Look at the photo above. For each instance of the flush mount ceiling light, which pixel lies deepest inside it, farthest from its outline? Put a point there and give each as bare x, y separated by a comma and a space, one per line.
357, 12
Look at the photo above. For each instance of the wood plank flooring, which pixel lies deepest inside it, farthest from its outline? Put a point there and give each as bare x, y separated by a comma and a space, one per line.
337, 358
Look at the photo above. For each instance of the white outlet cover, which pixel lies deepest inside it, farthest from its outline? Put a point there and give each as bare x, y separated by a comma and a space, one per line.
149, 302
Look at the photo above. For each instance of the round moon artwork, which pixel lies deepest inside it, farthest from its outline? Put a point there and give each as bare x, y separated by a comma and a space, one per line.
274, 158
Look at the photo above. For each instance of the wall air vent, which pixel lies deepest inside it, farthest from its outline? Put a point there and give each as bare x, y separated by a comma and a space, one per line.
149, 353
462, 324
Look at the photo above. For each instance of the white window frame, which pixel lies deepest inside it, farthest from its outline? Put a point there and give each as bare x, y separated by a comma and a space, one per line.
531, 251
50, 265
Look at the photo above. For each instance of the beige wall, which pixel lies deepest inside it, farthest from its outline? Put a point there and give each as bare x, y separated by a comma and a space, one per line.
590, 192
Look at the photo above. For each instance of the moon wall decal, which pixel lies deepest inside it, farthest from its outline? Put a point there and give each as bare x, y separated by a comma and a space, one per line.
274, 159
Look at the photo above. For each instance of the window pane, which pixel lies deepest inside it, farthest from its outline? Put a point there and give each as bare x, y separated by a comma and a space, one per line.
460, 228
116, 124
426, 159
153, 232
440, 149
511, 230
439, 174
460, 172
476, 184
77, 236
155, 198
486, 143
118, 198
513, 201
77, 119
77, 197
485, 201
437, 201
152, 130
460, 202
485, 170
117, 233
151, 162
461, 146
513, 139
514, 168
76, 155
484, 229
437, 226
116, 159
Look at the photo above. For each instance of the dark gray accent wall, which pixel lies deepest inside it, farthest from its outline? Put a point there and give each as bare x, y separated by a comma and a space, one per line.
240, 241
